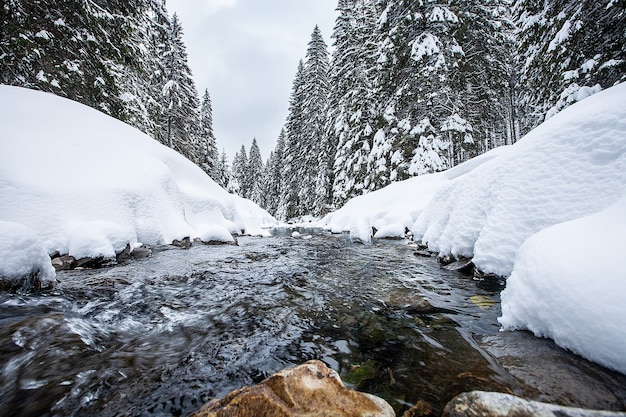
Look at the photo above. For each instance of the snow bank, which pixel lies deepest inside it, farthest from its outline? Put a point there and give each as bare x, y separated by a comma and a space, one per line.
88, 184
571, 166
393, 209
22, 255
569, 285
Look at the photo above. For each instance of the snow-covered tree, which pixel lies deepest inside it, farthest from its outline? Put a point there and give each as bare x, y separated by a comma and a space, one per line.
274, 179
352, 100
567, 50
255, 175
208, 147
239, 177
180, 98
222, 169
289, 204
72, 48
315, 186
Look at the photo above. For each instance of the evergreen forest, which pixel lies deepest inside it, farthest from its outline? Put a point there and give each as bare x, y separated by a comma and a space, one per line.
412, 86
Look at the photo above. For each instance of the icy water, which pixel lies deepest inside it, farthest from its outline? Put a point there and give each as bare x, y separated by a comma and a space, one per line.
161, 336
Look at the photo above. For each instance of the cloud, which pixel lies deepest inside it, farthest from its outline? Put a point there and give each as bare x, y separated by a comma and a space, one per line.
214, 6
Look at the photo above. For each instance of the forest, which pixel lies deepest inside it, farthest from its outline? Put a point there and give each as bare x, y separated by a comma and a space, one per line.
411, 88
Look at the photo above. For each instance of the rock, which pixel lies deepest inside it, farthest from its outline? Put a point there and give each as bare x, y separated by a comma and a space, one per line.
185, 243
463, 265
141, 252
496, 404
422, 252
311, 390
93, 263
124, 255
420, 409
62, 263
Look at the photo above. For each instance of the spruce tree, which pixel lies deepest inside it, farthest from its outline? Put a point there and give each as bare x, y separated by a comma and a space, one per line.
274, 179
352, 114
255, 175
289, 204
239, 178
314, 185
222, 168
180, 98
209, 155
567, 50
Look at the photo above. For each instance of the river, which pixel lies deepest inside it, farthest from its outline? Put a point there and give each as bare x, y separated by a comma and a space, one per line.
162, 336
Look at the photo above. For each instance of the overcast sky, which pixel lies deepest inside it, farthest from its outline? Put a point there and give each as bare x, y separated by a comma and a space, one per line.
246, 52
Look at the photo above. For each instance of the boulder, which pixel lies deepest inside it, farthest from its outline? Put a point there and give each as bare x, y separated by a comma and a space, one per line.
311, 390
496, 404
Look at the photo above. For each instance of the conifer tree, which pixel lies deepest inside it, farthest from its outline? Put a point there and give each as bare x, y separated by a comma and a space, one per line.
239, 178
255, 175
567, 51
314, 185
274, 179
209, 155
180, 98
352, 115
289, 205
223, 171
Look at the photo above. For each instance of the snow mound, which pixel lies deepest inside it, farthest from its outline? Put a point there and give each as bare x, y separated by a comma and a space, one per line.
393, 209
571, 166
88, 184
23, 255
569, 285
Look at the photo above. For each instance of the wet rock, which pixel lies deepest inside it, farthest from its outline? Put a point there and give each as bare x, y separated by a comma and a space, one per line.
496, 404
185, 243
420, 409
141, 252
488, 281
463, 265
93, 263
311, 389
423, 252
63, 263
124, 255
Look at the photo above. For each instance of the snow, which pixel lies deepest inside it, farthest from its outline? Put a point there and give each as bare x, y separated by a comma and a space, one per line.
396, 207
22, 255
575, 298
572, 165
547, 212
86, 184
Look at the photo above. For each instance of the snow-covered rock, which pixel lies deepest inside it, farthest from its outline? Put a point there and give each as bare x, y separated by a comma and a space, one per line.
87, 184
23, 259
569, 284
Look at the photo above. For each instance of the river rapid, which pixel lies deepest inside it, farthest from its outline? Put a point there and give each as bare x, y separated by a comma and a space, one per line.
162, 336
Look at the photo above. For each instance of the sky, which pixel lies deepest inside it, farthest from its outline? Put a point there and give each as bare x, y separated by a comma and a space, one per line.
246, 52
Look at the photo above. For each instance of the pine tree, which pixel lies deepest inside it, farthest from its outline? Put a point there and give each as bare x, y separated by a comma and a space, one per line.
289, 204
180, 98
274, 180
568, 50
239, 179
313, 194
209, 155
255, 175
72, 48
222, 168
352, 114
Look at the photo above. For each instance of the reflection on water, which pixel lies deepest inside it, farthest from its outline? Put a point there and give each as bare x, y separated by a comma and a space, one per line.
164, 335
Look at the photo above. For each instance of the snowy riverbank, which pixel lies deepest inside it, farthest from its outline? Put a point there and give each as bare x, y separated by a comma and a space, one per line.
558, 194
78, 182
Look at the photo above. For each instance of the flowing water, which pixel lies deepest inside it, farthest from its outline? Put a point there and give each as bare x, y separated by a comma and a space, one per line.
161, 336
